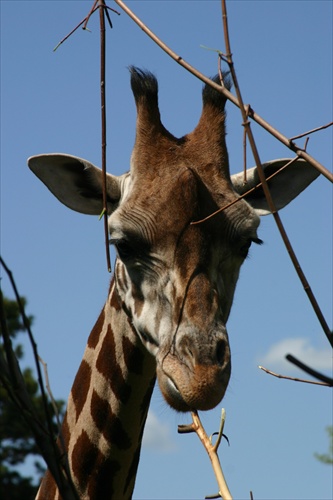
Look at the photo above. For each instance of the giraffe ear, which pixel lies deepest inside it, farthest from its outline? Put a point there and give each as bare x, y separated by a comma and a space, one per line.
76, 182
284, 187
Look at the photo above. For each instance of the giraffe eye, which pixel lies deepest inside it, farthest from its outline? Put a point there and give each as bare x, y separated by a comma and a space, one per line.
130, 248
124, 249
244, 250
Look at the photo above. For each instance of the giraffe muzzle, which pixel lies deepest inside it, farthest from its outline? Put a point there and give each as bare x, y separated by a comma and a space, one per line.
195, 379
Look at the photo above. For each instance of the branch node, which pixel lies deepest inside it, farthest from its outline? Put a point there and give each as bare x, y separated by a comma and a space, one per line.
186, 429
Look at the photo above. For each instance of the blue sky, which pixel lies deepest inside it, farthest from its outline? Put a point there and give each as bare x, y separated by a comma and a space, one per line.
50, 103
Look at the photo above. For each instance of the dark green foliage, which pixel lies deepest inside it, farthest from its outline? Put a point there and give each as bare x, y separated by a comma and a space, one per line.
16, 440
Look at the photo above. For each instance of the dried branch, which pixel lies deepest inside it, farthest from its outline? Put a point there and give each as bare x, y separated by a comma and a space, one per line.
294, 379
85, 22
103, 119
49, 391
311, 131
244, 195
251, 113
92, 10
103, 10
64, 457
211, 449
265, 187
12, 379
73, 31
33, 344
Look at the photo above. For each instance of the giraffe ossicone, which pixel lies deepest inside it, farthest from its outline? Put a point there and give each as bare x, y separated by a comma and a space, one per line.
174, 282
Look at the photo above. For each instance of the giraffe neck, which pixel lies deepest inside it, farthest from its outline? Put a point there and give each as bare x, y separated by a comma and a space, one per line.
107, 409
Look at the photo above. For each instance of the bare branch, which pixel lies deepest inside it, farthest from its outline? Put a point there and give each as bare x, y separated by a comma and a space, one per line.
85, 22
73, 31
12, 379
266, 189
278, 375
49, 391
92, 10
257, 186
33, 344
211, 449
103, 120
312, 131
103, 10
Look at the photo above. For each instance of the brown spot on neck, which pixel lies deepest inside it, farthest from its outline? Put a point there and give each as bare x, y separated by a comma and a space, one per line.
93, 470
81, 387
96, 331
108, 366
133, 356
107, 423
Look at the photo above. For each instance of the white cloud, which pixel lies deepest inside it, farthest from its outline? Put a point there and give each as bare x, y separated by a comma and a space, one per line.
301, 348
157, 435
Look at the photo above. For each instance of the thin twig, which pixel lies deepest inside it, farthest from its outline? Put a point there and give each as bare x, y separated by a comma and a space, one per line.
56, 412
85, 22
294, 379
71, 33
244, 195
92, 10
311, 131
49, 391
289, 144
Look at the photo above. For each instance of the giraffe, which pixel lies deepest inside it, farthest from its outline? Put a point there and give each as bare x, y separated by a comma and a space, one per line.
172, 290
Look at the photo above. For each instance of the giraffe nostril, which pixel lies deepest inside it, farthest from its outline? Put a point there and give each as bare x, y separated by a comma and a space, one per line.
221, 352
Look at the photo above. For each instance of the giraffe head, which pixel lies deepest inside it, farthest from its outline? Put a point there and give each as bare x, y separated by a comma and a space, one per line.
176, 280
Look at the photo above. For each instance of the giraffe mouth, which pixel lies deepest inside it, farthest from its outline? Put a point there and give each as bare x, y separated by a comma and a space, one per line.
200, 386
151, 344
172, 385
174, 396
